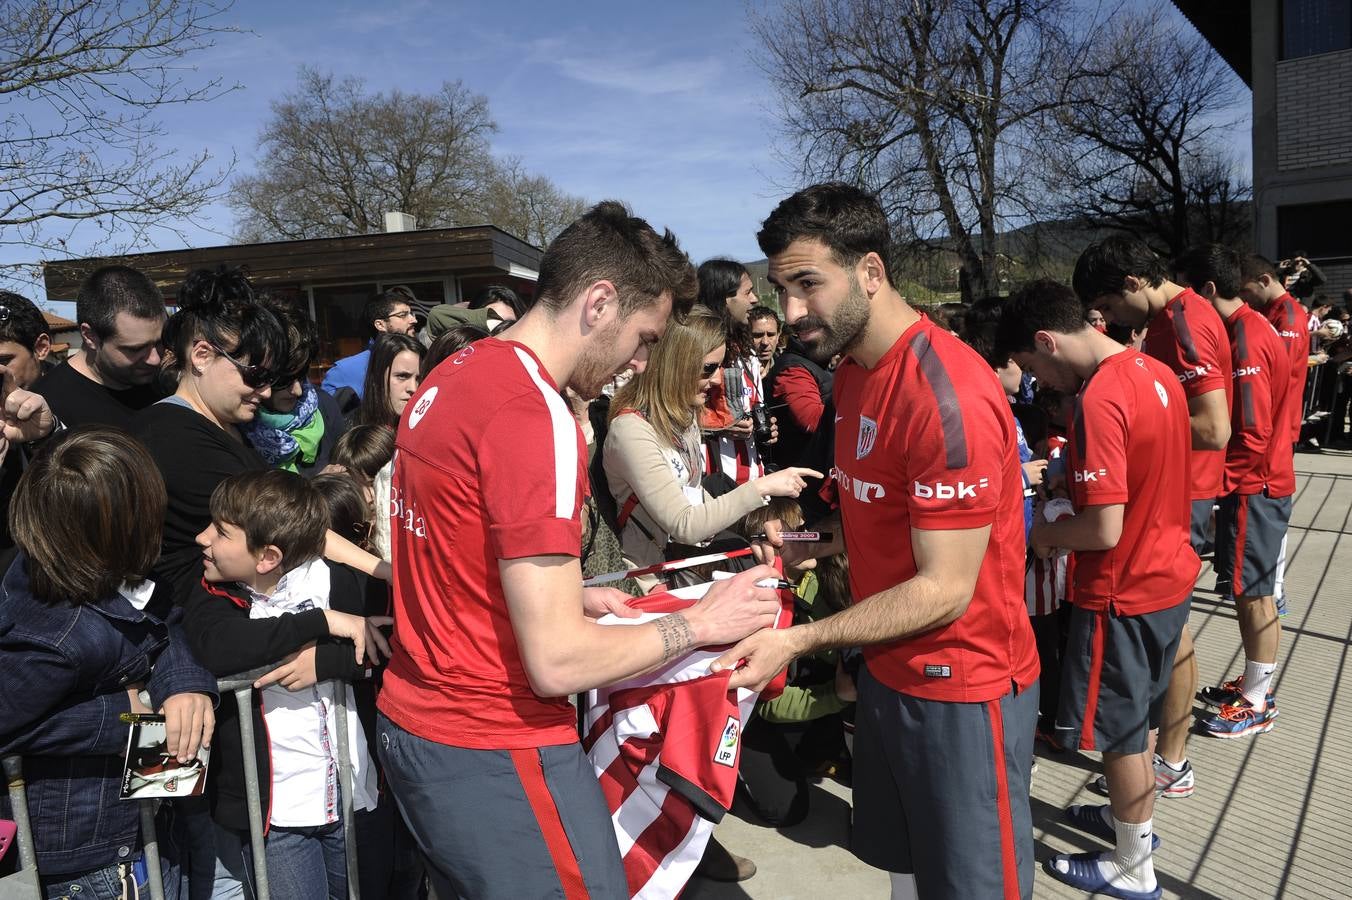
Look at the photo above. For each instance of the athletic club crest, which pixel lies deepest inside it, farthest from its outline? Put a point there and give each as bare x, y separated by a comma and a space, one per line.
868, 436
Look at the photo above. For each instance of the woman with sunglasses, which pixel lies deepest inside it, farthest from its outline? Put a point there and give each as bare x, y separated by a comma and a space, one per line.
652, 457
391, 379
225, 349
297, 427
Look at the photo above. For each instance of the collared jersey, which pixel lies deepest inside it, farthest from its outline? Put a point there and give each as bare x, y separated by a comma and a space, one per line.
1254, 461
1288, 317
1127, 439
926, 440
489, 465
1188, 336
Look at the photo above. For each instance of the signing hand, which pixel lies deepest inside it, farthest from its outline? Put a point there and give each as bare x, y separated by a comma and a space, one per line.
797, 555
734, 608
766, 654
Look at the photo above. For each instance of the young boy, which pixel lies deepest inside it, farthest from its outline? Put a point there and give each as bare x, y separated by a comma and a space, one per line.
267, 597
1134, 567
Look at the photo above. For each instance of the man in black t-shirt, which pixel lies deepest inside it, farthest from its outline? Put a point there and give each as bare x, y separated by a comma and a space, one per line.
112, 375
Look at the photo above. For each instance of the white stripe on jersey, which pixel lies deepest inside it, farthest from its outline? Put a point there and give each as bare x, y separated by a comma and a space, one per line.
565, 439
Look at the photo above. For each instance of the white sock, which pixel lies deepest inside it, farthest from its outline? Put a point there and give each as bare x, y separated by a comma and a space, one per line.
903, 887
1129, 865
1257, 680
1177, 767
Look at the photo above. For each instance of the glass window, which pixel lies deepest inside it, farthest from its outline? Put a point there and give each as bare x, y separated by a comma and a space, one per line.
1314, 230
1315, 26
338, 315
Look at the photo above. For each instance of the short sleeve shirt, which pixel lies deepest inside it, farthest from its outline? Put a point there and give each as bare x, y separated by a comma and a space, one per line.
489, 465
1288, 317
1189, 337
1254, 461
1128, 436
925, 439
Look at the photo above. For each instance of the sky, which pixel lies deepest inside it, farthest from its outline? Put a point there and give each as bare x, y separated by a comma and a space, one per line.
661, 105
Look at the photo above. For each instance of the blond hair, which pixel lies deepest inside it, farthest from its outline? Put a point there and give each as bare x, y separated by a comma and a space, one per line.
664, 393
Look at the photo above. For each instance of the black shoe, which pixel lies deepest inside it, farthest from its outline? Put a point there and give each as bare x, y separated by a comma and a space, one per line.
718, 864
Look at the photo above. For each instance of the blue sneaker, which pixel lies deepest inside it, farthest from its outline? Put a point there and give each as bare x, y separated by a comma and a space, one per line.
1240, 720
1089, 819
1083, 872
1281, 605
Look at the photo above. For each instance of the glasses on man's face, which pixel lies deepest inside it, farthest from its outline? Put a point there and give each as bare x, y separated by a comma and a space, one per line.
709, 369
405, 314
253, 376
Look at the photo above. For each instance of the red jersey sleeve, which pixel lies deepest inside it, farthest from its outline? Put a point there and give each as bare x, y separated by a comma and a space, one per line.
1202, 347
1097, 473
531, 473
959, 455
797, 388
1251, 423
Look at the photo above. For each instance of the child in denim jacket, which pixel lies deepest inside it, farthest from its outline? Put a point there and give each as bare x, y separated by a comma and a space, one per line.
77, 649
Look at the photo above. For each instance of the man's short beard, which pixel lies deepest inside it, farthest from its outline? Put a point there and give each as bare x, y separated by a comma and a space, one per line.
848, 324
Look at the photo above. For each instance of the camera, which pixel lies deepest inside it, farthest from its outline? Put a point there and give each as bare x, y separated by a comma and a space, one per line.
761, 419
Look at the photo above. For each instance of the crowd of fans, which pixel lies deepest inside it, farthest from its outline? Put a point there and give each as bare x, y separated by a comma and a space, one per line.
1024, 486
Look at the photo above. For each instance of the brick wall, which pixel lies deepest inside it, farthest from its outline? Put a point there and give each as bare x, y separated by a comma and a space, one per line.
1314, 111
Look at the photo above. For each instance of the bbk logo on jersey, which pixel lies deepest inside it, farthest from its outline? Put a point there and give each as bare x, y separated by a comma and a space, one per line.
1084, 476
726, 754
941, 491
1248, 370
868, 436
1189, 374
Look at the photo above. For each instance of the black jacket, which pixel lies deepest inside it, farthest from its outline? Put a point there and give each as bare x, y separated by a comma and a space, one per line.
227, 641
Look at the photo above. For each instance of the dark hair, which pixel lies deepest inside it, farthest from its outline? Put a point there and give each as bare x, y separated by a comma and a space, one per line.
846, 219
375, 399
302, 338
89, 513
608, 242
497, 293
383, 303
1320, 299
1042, 305
116, 289
1210, 262
349, 513
219, 306
1255, 265
1104, 265
759, 312
273, 506
978, 327
719, 279
450, 341
363, 450
22, 322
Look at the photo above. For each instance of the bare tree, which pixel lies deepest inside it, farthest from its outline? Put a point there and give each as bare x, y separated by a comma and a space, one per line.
529, 206
336, 158
1148, 125
934, 105
81, 85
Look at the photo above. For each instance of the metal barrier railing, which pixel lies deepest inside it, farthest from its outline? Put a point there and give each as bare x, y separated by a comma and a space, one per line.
24, 884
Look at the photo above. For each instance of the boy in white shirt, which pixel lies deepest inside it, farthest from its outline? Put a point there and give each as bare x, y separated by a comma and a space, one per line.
268, 597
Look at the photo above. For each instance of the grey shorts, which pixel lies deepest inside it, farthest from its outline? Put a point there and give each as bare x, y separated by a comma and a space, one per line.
1114, 676
504, 823
1202, 533
941, 790
1249, 533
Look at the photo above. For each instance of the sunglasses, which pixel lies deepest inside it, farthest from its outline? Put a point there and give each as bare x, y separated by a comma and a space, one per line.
710, 368
253, 376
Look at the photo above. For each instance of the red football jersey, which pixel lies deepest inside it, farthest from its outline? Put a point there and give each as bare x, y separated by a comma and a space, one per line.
1254, 461
1189, 337
489, 464
925, 439
1289, 318
1129, 434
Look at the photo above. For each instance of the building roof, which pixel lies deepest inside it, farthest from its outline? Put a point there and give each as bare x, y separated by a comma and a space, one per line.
57, 323
474, 249
1226, 25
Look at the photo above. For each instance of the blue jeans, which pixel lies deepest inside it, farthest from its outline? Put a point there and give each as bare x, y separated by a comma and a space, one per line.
109, 883
303, 863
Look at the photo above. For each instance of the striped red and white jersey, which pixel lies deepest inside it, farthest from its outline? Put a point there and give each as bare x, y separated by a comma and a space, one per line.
735, 457
1046, 580
666, 747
